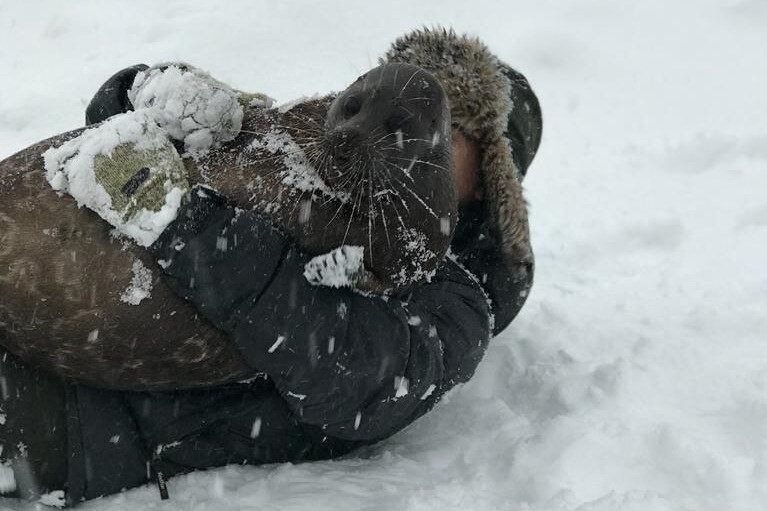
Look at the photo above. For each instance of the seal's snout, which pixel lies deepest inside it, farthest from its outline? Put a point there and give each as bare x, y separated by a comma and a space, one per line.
346, 153
345, 143
387, 134
345, 137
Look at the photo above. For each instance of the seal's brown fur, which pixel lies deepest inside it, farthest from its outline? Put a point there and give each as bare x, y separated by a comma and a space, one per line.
62, 273
61, 278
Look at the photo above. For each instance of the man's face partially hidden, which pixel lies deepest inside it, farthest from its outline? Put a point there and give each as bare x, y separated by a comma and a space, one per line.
466, 167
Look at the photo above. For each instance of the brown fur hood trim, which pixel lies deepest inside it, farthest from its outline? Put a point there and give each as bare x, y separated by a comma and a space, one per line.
480, 103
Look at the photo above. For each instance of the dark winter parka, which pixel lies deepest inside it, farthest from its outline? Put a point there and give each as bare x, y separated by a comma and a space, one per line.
338, 369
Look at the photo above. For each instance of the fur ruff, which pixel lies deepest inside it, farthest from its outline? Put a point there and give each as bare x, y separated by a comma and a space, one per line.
479, 94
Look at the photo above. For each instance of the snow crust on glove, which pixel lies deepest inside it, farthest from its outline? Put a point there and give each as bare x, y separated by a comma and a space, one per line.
84, 168
191, 105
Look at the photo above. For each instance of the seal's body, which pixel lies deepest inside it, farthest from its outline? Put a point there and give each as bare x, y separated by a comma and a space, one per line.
369, 167
62, 281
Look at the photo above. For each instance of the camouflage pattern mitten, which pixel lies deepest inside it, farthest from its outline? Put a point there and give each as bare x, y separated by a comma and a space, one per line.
126, 170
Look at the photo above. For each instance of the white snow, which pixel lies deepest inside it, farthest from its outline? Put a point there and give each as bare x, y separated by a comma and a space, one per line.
189, 104
635, 379
435, 138
7, 478
401, 386
255, 429
416, 248
140, 286
280, 340
337, 268
288, 105
429, 391
297, 171
400, 141
53, 499
444, 225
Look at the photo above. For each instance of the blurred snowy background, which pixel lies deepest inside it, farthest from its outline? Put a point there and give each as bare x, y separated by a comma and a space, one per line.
635, 379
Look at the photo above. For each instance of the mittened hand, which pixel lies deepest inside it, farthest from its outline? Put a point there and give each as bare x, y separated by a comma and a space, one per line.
126, 170
338, 268
343, 267
189, 104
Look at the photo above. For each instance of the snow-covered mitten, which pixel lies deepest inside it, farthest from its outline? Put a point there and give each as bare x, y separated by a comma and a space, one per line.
126, 170
255, 99
191, 105
343, 267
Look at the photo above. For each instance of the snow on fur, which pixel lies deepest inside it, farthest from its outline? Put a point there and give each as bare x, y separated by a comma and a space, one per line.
140, 286
297, 171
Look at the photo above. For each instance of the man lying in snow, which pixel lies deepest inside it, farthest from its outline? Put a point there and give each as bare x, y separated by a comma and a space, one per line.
388, 361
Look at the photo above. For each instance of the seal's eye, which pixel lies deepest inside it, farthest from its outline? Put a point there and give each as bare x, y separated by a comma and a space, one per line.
352, 106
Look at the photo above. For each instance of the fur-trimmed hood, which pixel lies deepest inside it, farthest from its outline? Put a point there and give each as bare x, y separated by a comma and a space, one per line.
494, 105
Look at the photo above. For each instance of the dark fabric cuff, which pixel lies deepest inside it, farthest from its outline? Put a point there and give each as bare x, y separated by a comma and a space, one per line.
202, 209
112, 98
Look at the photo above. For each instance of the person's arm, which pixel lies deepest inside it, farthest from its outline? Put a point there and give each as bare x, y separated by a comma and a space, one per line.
112, 97
188, 104
360, 367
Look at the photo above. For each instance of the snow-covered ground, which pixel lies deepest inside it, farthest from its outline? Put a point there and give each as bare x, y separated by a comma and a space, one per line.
635, 378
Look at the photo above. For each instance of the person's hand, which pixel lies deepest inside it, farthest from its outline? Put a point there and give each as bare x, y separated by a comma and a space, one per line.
189, 104
112, 97
126, 170
343, 267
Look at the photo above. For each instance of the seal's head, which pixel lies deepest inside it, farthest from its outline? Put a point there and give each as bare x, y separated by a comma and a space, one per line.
385, 148
384, 126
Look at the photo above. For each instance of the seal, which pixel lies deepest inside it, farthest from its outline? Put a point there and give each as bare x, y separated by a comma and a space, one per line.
368, 168
375, 174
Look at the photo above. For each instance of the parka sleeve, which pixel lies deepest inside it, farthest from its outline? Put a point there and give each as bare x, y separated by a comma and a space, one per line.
507, 287
360, 367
